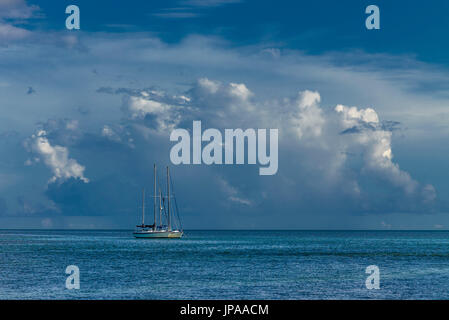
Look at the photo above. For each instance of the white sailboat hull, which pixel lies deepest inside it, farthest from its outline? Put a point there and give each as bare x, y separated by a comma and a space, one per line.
158, 234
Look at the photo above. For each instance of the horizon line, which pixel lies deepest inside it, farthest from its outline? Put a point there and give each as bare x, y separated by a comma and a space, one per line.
126, 229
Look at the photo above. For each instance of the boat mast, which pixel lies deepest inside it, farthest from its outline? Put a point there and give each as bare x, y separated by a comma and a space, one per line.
168, 198
143, 207
160, 208
154, 225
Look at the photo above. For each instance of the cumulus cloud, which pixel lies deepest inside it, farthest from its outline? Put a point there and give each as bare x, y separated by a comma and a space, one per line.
57, 159
146, 108
224, 95
376, 145
327, 137
210, 100
218, 102
308, 118
159, 111
320, 140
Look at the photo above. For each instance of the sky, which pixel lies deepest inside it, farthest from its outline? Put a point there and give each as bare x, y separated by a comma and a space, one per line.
362, 114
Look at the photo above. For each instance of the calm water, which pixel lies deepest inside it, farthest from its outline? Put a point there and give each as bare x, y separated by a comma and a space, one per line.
225, 265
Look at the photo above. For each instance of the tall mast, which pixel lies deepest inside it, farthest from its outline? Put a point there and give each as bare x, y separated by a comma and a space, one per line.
160, 207
143, 207
154, 226
168, 197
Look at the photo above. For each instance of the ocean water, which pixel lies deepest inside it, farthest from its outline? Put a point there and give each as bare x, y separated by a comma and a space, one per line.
225, 265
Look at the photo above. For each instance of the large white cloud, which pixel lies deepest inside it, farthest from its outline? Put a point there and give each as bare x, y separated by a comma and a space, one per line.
320, 138
57, 159
376, 144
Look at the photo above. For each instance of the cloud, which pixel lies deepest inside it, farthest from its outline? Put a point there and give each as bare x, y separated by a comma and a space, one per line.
16, 9
12, 12
118, 134
57, 159
63, 131
191, 8
176, 13
9, 32
376, 146
109, 133
232, 92
140, 107
308, 120
154, 108
377, 150
361, 133
232, 193
320, 140
217, 102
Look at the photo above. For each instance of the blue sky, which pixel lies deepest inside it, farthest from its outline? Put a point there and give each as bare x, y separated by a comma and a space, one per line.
408, 27
362, 114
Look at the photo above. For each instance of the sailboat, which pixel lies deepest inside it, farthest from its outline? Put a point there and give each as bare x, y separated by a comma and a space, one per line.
162, 210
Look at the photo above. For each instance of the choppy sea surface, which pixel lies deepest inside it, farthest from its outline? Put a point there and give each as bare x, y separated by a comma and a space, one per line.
225, 265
